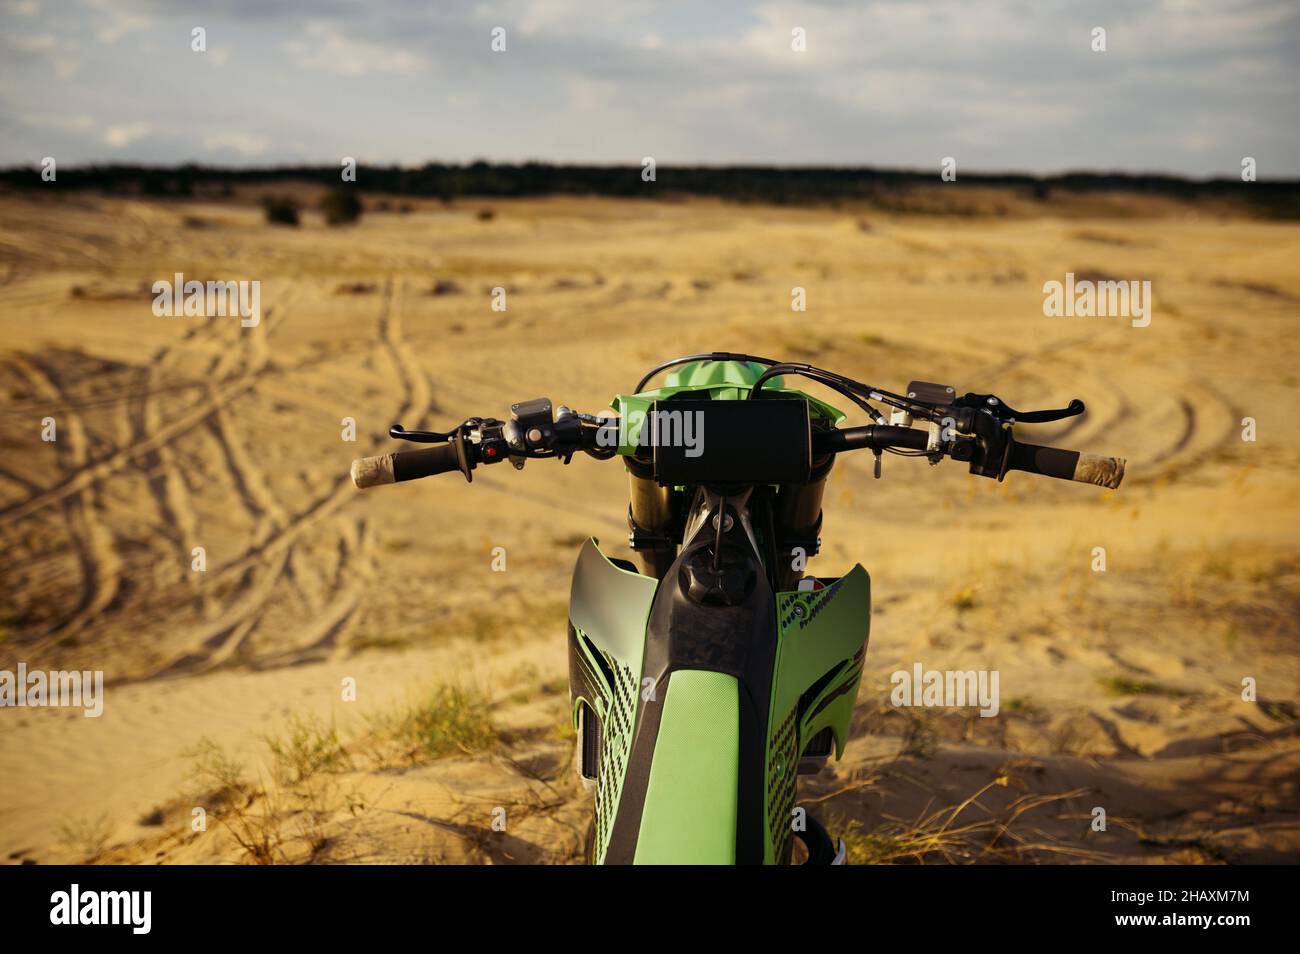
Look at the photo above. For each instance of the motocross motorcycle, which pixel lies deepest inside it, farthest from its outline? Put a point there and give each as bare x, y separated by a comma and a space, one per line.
705, 680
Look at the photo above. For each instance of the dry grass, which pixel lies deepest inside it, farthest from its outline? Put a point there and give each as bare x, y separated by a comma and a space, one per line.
307, 747
85, 837
451, 719
951, 836
219, 784
1128, 686
296, 805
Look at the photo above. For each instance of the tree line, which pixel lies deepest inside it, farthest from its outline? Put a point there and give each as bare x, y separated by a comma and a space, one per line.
769, 184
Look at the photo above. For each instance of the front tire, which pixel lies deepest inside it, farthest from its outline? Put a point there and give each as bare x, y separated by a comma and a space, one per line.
817, 843
589, 843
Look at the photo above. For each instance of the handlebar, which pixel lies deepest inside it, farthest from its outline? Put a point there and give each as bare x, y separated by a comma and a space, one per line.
963, 431
877, 437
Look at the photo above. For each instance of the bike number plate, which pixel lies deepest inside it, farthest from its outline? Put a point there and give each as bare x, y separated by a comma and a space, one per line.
765, 441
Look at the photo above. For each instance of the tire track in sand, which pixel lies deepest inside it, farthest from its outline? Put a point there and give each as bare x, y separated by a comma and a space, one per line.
257, 571
101, 563
88, 472
101, 567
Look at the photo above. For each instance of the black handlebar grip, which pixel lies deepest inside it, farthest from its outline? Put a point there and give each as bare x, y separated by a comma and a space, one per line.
411, 465
1067, 465
405, 465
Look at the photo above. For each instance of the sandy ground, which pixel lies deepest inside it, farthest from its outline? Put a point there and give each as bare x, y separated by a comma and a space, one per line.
1120, 689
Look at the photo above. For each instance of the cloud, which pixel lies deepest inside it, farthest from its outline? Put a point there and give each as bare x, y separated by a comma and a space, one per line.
567, 18
588, 94
327, 48
62, 55
121, 136
118, 21
1185, 86
245, 144
66, 123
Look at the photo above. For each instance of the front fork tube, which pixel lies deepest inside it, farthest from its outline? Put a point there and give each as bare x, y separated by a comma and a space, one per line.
650, 515
798, 518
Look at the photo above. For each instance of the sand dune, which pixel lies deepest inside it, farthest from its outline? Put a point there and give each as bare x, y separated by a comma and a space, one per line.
1120, 688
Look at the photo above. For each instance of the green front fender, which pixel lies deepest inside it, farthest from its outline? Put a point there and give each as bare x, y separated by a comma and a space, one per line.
690, 805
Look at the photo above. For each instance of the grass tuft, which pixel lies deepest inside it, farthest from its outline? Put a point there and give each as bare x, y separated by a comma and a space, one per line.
944, 836
449, 720
86, 837
1124, 686
307, 747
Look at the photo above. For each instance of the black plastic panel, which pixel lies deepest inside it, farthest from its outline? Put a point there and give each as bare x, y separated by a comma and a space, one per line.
734, 442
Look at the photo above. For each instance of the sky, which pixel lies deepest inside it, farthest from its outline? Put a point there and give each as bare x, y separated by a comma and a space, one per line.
1187, 87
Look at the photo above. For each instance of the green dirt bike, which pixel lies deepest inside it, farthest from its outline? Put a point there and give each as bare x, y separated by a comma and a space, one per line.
705, 681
